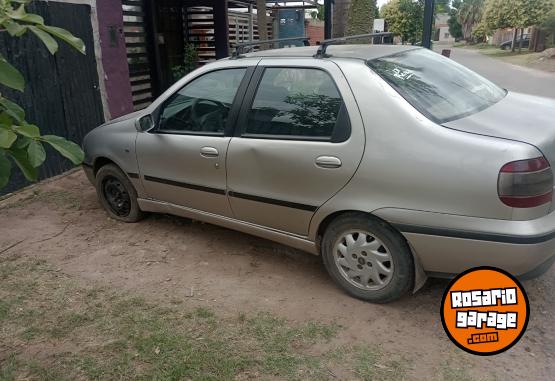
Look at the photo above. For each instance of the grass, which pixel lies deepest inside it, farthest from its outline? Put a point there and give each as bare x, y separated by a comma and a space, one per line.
60, 199
103, 334
524, 58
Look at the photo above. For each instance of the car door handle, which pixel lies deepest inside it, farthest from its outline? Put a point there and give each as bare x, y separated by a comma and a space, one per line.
209, 152
328, 162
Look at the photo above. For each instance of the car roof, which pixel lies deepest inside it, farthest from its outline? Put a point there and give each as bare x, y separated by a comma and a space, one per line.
362, 52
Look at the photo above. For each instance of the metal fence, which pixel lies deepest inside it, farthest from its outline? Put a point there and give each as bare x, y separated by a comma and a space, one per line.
62, 95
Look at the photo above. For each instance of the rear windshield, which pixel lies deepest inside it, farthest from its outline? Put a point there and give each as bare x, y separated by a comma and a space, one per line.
437, 86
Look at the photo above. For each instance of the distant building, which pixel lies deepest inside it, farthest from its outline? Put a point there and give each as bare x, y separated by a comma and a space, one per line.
442, 34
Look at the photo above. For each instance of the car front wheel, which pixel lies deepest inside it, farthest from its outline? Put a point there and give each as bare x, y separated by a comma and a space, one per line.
117, 195
368, 258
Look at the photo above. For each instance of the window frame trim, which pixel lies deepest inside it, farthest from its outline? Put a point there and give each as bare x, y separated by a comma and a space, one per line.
248, 101
233, 112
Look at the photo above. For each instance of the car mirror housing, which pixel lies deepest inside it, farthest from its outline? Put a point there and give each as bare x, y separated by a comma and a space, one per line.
144, 123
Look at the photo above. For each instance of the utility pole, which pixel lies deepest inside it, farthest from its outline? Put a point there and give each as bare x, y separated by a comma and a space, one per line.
328, 18
428, 23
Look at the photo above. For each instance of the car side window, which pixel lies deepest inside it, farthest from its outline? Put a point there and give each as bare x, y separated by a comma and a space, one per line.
294, 102
203, 105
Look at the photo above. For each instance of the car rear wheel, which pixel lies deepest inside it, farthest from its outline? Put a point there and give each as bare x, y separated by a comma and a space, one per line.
368, 258
117, 195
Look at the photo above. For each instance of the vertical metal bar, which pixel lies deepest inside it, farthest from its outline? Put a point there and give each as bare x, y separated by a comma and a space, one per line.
251, 24
151, 29
428, 23
221, 28
328, 17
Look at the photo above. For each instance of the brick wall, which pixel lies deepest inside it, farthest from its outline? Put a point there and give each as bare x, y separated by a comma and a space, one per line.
314, 31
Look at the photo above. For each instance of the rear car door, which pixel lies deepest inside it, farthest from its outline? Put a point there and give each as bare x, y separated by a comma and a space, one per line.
182, 161
298, 141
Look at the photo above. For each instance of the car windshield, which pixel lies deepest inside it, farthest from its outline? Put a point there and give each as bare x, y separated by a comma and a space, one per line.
437, 86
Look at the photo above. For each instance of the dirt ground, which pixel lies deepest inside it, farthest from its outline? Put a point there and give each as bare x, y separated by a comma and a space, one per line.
165, 258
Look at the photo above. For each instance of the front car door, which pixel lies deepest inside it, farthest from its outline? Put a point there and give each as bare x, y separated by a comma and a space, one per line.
298, 141
183, 160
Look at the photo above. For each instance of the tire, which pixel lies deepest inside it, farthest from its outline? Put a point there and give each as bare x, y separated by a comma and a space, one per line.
112, 183
385, 250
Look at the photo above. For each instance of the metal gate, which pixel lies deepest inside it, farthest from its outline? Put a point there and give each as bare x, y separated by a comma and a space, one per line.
136, 41
62, 95
198, 30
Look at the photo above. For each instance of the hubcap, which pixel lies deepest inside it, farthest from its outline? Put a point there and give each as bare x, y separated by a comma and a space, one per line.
363, 260
117, 197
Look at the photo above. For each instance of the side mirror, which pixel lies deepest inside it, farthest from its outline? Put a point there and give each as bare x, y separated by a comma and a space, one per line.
144, 123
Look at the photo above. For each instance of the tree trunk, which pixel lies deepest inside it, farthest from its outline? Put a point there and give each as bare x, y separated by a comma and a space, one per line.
262, 22
513, 44
520, 42
533, 40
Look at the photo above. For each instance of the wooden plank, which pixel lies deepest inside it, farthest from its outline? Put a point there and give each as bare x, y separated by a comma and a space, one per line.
140, 82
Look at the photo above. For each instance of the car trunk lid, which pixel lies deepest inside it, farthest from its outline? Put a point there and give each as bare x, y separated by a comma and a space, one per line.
519, 117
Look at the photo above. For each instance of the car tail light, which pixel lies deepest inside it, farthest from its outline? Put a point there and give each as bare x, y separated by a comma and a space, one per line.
526, 183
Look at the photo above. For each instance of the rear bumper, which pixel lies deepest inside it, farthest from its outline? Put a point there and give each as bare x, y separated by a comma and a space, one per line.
447, 244
440, 254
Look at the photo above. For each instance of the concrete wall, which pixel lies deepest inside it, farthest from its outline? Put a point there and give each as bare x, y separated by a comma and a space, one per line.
114, 57
444, 35
442, 29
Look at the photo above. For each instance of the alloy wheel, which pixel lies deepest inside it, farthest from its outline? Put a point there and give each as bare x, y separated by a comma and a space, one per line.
363, 260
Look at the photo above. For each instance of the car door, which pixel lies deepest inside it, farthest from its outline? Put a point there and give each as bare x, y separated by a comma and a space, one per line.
298, 141
183, 159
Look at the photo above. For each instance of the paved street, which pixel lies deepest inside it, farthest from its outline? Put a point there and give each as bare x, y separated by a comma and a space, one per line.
511, 77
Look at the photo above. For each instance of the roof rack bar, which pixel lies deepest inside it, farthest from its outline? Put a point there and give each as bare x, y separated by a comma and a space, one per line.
239, 47
332, 41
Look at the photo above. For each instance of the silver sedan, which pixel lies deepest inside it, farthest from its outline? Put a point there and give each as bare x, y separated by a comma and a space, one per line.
391, 162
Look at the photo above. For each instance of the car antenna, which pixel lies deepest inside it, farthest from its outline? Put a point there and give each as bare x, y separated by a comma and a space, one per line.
240, 47
321, 53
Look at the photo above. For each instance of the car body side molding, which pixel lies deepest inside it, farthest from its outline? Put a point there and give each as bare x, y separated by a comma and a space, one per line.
288, 204
185, 185
451, 233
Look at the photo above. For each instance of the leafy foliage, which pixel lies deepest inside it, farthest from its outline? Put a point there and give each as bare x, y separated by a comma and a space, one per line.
455, 28
319, 13
442, 6
480, 32
361, 17
21, 142
470, 14
550, 18
405, 18
549, 26
516, 13
190, 63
